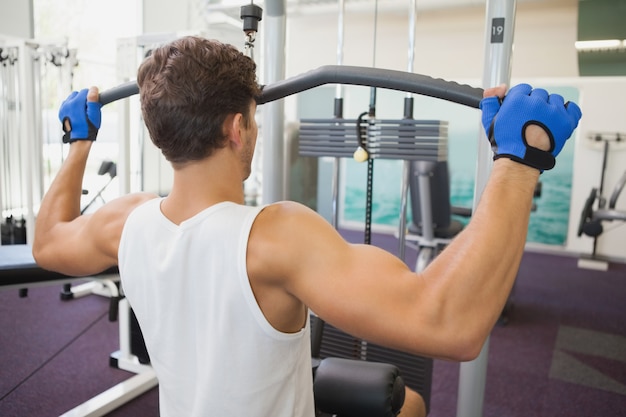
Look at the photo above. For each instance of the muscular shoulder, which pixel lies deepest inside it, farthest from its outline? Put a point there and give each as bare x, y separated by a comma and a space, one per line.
109, 220
288, 221
285, 211
121, 207
284, 236
273, 259
93, 238
131, 201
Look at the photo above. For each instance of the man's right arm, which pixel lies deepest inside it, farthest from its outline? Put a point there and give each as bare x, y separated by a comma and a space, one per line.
448, 310
66, 241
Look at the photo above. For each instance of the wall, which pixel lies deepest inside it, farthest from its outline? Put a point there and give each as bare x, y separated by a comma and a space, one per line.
16, 18
450, 45
449, 42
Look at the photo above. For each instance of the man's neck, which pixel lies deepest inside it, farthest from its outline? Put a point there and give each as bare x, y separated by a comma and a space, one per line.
201, 184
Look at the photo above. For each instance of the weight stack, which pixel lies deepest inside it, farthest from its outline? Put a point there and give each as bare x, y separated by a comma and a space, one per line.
13, 231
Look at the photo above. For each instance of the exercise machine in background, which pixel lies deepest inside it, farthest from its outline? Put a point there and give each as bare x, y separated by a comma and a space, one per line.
28, 67
595, 216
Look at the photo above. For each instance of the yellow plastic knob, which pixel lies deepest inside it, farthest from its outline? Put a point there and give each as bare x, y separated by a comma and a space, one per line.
360, 155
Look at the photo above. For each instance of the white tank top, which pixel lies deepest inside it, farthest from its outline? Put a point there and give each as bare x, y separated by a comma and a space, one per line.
212, 349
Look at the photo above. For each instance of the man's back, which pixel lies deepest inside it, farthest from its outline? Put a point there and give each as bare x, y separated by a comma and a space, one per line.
208, 340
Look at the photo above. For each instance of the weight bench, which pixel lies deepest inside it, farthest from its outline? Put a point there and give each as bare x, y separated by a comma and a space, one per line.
18, 269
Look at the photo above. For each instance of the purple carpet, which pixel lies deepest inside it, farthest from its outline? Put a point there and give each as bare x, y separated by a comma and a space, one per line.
562, 352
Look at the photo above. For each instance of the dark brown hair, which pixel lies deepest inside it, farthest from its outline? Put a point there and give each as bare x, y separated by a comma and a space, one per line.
187, 88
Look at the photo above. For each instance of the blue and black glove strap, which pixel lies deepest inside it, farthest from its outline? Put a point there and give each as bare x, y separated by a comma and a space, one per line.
505, 122
84, 117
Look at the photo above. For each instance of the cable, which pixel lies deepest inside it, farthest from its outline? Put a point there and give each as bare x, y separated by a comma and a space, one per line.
369, 192
47, 361
362, 135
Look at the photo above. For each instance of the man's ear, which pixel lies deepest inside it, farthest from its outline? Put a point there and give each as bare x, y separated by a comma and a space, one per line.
233, 125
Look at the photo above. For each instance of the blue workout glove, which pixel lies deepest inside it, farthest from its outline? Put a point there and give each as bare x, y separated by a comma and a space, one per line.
84, 117
505, 123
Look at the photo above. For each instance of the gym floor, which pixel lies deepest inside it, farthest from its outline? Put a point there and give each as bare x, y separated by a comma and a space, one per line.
562, 352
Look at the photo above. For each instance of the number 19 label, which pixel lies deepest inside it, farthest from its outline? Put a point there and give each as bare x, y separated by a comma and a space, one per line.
497, 30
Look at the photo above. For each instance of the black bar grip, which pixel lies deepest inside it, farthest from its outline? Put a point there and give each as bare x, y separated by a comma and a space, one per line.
343, 74
374, 77
127, 89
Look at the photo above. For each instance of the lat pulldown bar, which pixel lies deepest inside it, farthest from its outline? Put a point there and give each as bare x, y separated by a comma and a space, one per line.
351, 75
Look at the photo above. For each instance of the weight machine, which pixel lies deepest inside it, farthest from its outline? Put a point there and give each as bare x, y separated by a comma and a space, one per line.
27, 68
592, 219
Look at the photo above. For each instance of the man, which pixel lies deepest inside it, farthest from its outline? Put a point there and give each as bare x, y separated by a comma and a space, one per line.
222, 290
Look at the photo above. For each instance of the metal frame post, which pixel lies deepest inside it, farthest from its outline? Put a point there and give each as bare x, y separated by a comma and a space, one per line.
408, 112
273, 181
499, 30
30, 116
338, 113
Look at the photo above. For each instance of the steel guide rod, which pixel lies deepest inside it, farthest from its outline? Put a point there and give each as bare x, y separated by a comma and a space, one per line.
338, 113
406, 165
317, 332
499, 29
272, 137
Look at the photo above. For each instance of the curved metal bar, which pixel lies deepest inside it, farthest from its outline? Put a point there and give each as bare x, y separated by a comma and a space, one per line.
127, 89
610, 215
374, 77
351, 75
617, 190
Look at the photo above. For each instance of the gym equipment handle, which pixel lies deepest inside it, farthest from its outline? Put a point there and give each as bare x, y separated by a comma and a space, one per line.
127, 89
343, 74
374, 77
